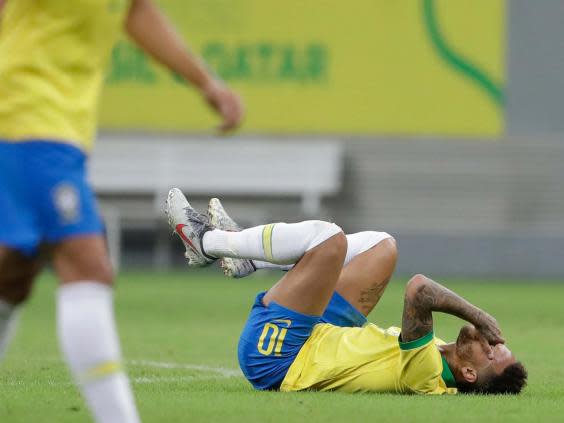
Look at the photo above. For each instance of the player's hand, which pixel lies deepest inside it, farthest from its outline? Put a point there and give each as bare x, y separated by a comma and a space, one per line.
226, 103
489, 328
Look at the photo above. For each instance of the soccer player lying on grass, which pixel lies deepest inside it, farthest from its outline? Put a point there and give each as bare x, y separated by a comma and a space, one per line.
309, 331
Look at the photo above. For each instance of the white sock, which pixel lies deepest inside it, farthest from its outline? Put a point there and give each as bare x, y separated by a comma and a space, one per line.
266, 265
89, 341
357, 244
9, 314
279, 243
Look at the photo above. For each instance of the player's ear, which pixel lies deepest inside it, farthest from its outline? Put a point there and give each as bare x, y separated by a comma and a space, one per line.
469, 374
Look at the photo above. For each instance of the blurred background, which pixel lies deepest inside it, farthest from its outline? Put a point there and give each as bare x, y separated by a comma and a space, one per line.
437, 121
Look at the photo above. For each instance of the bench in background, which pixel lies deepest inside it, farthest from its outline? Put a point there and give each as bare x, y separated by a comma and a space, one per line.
131, 167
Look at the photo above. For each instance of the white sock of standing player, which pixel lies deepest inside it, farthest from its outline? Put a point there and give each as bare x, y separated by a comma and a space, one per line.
89, 341
280, 243
9, 314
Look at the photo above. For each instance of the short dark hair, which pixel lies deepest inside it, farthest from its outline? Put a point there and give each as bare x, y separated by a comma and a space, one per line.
511, 381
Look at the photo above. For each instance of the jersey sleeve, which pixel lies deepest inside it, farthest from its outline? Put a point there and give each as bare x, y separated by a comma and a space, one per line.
421, 366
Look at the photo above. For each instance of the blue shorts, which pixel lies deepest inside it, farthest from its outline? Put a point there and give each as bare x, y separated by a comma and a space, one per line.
274, 335
44, 195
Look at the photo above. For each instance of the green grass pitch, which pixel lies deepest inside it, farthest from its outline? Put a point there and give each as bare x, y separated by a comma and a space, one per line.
179, 333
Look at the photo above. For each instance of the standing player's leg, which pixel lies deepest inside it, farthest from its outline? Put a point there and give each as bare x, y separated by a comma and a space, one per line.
71, 225
19, 238
17, 273
317, 247
87, 330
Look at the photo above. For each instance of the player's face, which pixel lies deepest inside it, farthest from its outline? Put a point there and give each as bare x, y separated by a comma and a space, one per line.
486, 359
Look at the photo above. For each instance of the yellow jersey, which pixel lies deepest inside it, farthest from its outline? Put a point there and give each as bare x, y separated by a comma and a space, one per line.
369, 359
53, 56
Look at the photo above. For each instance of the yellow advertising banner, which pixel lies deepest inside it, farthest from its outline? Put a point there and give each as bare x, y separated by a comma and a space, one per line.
400, 67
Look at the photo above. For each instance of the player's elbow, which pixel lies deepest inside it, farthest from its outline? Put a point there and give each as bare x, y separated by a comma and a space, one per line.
415, 286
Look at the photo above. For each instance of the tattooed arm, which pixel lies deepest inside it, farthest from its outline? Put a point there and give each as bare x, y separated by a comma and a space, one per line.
423, 296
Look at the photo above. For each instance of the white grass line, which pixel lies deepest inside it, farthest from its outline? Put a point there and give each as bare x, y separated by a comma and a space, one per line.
27, 383
219, 371
214, 373
179, 379
136, 380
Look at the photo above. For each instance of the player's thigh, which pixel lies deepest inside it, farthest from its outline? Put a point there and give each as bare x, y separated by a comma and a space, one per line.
83, 258
17, 273
363, 281
308, 287
68, 214
65, 202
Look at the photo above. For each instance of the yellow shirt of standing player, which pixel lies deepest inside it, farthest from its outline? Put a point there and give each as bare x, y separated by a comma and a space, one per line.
53, 56
369, 359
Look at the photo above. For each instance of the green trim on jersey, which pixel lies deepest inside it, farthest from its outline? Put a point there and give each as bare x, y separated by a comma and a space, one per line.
411, 345
447, 375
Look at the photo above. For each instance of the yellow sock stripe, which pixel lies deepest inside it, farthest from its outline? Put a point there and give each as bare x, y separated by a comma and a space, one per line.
101, 370
267, 241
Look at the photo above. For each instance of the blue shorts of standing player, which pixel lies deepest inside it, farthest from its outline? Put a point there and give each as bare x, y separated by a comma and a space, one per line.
274, 335
44, 195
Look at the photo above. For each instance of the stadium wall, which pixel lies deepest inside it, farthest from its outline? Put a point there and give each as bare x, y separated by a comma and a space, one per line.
466, 207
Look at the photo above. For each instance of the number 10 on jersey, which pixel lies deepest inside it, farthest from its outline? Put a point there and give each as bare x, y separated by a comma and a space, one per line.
276, 338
